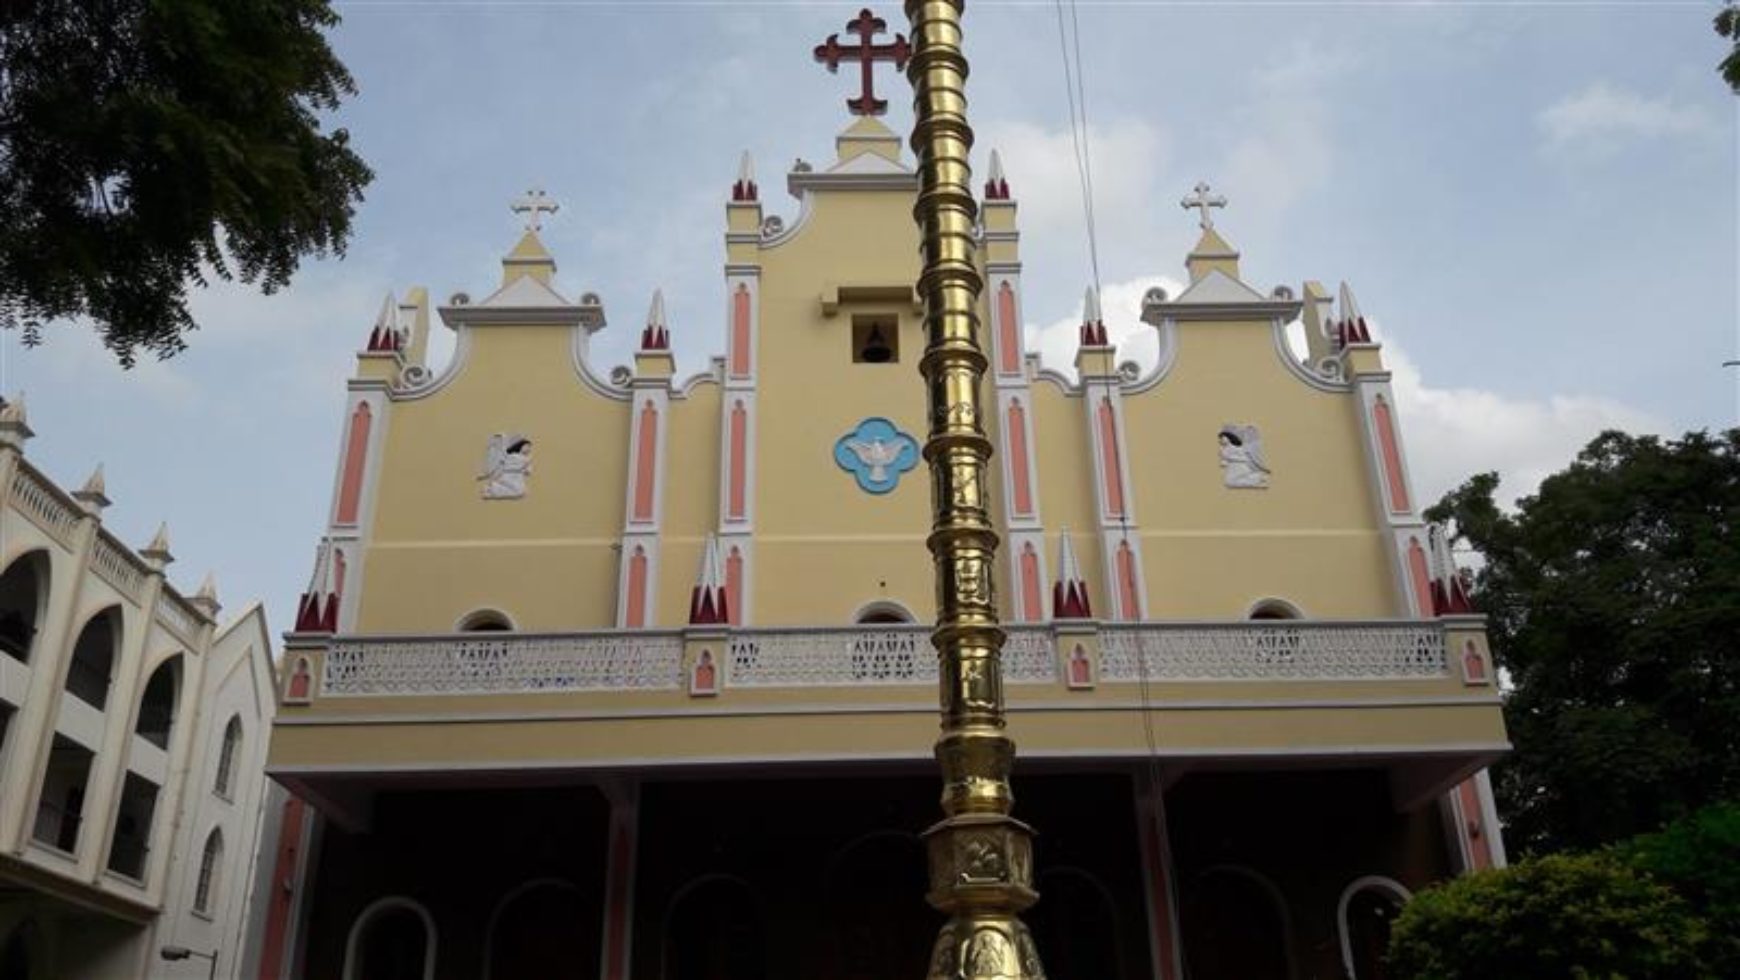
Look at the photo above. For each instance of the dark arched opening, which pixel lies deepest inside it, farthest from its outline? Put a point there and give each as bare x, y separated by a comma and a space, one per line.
1076, 927
1370, 914
157, 707
545, 931
23, 591
1233, 928
93, 659
393, 944
715, 931
876, 927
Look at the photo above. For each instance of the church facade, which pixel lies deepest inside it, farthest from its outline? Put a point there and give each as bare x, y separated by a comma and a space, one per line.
609, 673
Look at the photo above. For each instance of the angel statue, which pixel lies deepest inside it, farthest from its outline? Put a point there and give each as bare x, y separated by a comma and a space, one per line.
506, 465
1241, 457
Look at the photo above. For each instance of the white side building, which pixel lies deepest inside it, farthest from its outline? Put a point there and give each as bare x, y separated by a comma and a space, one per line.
133, 729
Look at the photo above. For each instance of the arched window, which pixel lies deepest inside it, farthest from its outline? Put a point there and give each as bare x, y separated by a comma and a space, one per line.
226, 767
485, 621
1078, 934
157, 707
93, 659
715, 930
882, 611
210, 866
874, 932
1274, 609
541, 924
22, 594
1367, 910
393, 939
1234, 925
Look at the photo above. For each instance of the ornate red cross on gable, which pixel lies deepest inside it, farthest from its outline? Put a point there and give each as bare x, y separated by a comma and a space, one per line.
866, 26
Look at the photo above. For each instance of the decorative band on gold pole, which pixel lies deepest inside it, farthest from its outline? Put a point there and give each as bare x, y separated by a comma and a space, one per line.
981, 858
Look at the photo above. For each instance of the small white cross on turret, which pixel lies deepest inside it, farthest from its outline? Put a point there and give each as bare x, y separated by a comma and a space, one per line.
1203, 200
533, 205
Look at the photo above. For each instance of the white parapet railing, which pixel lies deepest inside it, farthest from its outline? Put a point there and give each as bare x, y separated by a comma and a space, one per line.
857, 656
1286, 650
38, 499
499, 663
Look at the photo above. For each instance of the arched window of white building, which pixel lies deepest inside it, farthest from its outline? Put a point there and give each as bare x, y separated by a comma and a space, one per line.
23, 595
226, 767
210, 867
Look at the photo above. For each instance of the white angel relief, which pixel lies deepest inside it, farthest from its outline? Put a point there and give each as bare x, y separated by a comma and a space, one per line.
506, 464
1241, 457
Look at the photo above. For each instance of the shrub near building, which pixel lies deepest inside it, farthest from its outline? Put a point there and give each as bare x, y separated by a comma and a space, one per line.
1574, 916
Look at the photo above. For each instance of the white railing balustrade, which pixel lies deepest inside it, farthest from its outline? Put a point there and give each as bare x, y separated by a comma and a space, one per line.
113, 563
504, 664
1270, 651
177, 617
836, 657
476, 663
40, 502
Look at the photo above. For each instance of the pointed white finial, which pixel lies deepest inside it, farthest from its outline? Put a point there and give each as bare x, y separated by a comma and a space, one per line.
711, 574
1201, 200
93, 494
995, 170
1090, 306
746, 169
655, 315
388, 317
1067, 569
156, 554
534, 205
1349, 309
14, 430
206, 600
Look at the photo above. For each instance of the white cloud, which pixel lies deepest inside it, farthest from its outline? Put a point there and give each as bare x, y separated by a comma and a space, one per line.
1127, 156
1454, 433
1603, 118
1121, 307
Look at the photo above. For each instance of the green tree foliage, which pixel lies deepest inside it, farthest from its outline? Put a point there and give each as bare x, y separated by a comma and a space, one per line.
1614, 603
133, 131
1728, 25
1567, 916
1699, 857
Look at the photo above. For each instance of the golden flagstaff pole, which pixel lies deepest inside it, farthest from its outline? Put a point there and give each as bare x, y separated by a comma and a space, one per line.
981, 858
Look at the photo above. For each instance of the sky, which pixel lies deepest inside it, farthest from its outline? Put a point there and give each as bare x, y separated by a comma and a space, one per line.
1536, 204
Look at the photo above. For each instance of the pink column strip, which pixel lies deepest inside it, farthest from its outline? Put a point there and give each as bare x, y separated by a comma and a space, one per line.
1114, 469
1393, 477
740, 332
1132, 608
739, 457
1419, 577
1032, 598
645, 462
1008, 332
734, 587
619, 895
355, 458
635, 618
1474, 827
1018, 470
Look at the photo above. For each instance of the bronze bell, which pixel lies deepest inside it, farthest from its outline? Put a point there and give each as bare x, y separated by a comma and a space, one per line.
876, 349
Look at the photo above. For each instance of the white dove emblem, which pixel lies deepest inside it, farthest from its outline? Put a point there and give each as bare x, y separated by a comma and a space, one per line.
876, 454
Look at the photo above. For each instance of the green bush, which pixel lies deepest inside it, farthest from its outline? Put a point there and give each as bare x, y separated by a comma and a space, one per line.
1699, 857
1578, 917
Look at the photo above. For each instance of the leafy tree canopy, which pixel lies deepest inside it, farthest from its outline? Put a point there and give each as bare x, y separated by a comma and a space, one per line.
1728, 25
1614, 603
1563, 915
132, 131
1699, 857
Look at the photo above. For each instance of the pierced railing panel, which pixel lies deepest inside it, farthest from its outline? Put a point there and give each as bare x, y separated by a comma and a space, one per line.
115, 565
1028, 656
1271, 652
45, 507
814, 658
504, 664
177, 617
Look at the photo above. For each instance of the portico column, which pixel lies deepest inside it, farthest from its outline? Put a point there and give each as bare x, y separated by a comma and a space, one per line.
624, 841
1157, 878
